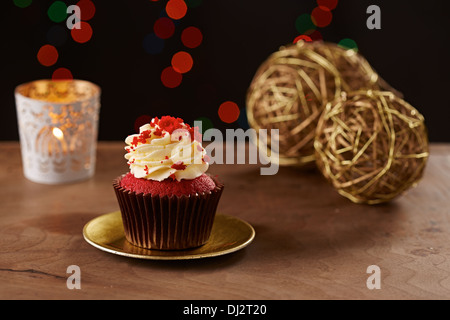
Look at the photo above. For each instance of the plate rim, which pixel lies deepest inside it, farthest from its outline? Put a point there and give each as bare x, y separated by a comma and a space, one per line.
170, 257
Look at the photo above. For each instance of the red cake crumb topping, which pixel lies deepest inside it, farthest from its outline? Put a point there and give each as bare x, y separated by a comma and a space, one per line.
142, 138
154, 122
202, 184
158, 132
169, 124
179, 165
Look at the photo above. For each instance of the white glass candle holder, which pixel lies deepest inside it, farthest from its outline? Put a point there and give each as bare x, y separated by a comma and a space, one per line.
58, 128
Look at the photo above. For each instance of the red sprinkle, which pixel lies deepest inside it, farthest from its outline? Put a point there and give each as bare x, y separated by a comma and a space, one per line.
142, 138
158, 132
179, 165
170, 124
135, 141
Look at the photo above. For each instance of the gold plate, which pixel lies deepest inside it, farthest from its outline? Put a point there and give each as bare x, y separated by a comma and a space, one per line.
229, 234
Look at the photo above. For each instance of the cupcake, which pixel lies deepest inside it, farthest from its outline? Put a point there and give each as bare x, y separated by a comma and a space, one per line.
167, 200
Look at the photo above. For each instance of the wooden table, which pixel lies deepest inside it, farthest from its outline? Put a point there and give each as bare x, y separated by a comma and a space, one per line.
310, 243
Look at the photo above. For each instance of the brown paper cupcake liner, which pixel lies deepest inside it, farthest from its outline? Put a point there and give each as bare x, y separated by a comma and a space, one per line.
167, 222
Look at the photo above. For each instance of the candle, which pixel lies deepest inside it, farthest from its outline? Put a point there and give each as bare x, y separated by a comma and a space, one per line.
58, 123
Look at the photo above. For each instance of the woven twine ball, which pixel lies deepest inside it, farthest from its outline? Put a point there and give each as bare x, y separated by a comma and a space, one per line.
291, 88
371, 145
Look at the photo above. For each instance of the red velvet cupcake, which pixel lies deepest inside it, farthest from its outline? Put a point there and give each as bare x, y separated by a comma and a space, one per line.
168, 187
166, 200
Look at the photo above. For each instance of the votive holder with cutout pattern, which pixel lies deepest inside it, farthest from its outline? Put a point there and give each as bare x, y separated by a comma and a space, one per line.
58, 128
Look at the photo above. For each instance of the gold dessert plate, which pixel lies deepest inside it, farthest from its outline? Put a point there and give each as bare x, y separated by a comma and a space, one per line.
229, 234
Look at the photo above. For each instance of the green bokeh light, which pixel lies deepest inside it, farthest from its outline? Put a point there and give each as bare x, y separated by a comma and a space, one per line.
206, 124
348, 44
22, 3
193, 3
57, 12
304, 24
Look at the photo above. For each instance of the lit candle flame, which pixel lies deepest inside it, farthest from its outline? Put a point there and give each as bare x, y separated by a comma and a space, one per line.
57, 132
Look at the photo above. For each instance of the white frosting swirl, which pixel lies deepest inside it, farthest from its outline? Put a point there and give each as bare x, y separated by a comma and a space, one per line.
156, 154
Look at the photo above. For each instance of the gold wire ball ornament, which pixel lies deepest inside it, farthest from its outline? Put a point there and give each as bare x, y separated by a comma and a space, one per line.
371, 145
291, 88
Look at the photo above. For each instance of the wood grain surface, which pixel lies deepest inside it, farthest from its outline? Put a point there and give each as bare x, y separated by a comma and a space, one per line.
310, 243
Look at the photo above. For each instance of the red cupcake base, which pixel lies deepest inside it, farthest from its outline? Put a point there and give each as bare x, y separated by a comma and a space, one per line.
167, 222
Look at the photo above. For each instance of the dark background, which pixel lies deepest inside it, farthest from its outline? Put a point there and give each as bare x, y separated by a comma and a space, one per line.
411, 52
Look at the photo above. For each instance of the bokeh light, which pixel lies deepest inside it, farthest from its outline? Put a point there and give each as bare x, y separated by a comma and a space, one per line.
87, 8
176, 9
47, 55
348, 44
57, 35
140, 121
191, 37
302, 37
182, 62
153, 44
193, 3
229, 112
316, 35
163, 14
164, 28
206, 124
321, 16
57, 12
22, 3
62, 74
171, 78
82, 32
304, 24
330, 4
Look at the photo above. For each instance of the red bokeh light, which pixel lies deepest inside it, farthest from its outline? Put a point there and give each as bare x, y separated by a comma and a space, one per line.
87, 8
182, 62
164, 28
140, 121
191, 37
83, 34
316, 35
303, 37
170, 78
330, 4
62, 74
47, 55
176, 9
229, 112
321, 16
